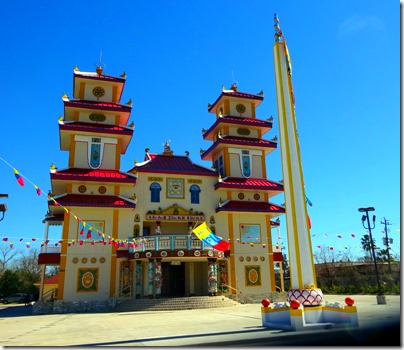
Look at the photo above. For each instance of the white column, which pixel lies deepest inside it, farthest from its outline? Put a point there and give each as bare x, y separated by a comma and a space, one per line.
299, 241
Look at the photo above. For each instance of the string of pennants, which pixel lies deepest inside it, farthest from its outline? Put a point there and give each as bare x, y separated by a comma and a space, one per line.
104, 238
135, 242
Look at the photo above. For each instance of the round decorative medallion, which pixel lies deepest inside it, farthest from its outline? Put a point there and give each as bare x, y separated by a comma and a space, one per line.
257, 196
243, 131
148, 254
102, 260
87, 280
255, 258
95, 117
180, 253
210, 253
136, 255
240, 108
240, 196
84, 260
241, 258
82, 188
221, 254
197, 253
98, 91
253, 276
163, 253
75, 260
93, 260
262, 258
248, 258
102, 189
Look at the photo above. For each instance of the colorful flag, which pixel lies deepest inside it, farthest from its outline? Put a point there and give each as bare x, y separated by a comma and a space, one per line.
308, 201
207, 236
19, 178
38, 190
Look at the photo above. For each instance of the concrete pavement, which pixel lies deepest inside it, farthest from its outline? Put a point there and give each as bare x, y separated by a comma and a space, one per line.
238, 326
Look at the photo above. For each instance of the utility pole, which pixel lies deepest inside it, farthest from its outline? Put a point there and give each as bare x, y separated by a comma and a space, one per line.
385, 223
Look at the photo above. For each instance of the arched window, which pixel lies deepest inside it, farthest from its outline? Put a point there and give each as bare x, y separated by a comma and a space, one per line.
195, 190
155, 189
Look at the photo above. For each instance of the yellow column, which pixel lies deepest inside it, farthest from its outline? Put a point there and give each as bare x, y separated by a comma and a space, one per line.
63, 253
115, 224
232, 252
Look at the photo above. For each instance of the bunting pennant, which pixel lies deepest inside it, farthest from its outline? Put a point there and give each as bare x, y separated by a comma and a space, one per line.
38, 190
207, 236
308, 201
19, 178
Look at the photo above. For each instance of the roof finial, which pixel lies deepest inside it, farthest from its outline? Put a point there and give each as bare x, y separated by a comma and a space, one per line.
278, 31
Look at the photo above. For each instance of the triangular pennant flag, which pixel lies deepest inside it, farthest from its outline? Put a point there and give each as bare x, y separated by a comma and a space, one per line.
19, 178
38, 190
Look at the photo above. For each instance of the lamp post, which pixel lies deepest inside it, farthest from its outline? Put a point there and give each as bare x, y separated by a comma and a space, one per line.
381, 299
3, 206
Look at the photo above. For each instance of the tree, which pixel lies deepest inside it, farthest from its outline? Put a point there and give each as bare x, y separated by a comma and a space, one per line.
368, 245
29, 270
10, 283
7, 254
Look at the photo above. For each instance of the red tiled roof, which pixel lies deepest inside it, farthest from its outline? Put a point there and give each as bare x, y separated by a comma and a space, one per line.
237, 94
255, 184
95, 76
87, 200
51, 280
174, 165
96, 127
242, 141
110, 106
239, 121
93, 175
248, 206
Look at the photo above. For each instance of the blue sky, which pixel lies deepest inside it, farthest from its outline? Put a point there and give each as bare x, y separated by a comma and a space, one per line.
177, 55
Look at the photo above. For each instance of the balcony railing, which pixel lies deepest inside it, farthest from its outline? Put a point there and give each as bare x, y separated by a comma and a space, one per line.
169, 242
154, 243
50, 249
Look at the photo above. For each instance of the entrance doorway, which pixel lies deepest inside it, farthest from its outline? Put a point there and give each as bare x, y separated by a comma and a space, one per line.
173, 280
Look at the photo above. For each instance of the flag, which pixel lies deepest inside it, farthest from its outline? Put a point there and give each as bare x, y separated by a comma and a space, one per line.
88, 234
308, 201
38, 190
207, 236
19, 178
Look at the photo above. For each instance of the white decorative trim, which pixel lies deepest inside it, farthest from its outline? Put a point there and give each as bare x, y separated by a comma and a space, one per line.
163, 253
197, 253
136, 255
180, 253
148, 254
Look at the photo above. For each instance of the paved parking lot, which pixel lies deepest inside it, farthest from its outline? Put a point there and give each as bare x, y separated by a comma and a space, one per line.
236, 326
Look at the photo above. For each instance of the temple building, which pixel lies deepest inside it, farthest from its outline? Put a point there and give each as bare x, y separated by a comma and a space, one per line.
130, 232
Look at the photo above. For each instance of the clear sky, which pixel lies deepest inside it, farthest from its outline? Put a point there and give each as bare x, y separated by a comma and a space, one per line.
177, 55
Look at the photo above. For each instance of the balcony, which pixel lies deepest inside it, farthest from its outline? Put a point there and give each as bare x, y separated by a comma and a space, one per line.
175, 245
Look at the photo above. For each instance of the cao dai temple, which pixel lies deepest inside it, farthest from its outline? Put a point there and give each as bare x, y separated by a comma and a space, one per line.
128, 232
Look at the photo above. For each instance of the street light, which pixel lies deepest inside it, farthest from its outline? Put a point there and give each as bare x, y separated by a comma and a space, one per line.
381, 299
3, 209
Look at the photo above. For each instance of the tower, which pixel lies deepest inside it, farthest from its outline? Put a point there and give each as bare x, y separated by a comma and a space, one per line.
244, 212
91, 196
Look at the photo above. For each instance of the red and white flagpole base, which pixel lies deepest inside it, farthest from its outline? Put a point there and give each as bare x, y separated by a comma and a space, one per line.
306, 297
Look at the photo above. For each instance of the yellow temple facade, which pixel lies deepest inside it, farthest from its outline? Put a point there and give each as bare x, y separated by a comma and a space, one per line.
129, 232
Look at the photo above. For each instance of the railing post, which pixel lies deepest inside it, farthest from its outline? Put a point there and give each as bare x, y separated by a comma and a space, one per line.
156, 243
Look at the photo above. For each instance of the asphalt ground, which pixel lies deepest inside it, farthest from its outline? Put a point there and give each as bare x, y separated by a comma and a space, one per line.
239, 326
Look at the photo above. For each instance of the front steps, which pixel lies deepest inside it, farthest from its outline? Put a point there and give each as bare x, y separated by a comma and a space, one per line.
173, 304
